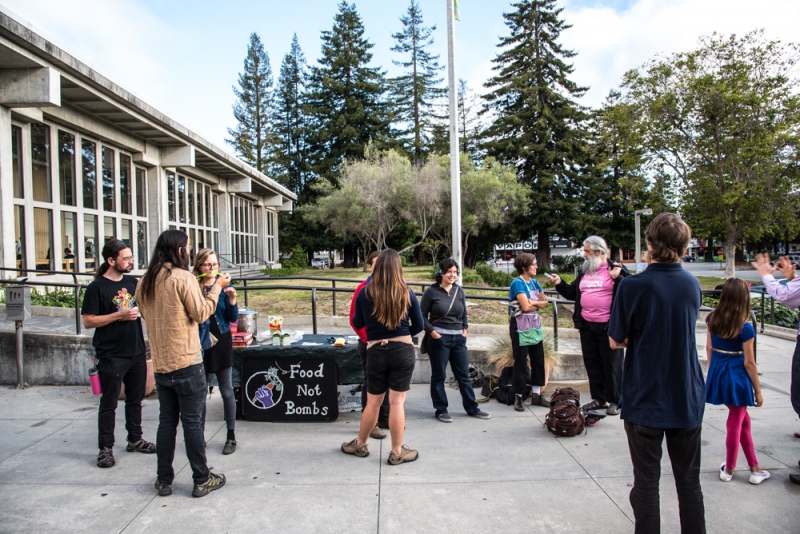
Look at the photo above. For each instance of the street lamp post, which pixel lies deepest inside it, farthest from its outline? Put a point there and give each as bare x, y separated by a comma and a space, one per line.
638, 214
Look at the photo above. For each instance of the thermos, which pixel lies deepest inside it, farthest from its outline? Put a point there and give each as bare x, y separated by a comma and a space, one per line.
94, 380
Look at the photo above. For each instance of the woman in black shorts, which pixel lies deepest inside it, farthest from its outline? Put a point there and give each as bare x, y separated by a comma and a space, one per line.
391, 313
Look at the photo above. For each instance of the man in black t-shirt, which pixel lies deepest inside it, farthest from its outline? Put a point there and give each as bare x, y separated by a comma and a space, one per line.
110, 308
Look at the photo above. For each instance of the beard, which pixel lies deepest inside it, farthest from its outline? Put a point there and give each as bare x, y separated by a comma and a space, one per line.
592, 264
126, 270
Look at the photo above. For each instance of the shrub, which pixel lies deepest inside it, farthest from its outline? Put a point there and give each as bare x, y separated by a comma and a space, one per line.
283, 271
492, 277
470, 278
297, 259
565, 277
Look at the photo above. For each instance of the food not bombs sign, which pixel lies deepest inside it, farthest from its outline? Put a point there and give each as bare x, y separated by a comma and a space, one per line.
289, 389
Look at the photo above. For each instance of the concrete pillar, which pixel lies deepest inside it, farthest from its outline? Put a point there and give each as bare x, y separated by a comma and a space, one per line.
8, 256
224, 211
157, 214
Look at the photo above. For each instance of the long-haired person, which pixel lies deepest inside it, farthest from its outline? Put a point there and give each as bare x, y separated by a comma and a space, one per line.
526, 297
733, 375
444, 309
390, 312
109, 306
218, 357
172, 304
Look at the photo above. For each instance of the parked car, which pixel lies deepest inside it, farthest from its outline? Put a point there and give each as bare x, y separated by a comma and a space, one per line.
319, 263
688, 259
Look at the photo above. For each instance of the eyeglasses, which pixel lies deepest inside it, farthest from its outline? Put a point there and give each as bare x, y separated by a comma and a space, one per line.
125, 260
209, 265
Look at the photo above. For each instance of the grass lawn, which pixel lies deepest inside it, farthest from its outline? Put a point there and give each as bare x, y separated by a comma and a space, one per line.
298, 301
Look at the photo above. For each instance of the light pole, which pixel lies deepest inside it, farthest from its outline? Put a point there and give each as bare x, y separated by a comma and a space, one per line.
638, 214
455, 171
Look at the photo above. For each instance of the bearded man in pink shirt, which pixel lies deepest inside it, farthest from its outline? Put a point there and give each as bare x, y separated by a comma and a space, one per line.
593, 292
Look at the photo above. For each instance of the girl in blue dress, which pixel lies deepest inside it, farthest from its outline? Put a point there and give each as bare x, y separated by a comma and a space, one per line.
732, 374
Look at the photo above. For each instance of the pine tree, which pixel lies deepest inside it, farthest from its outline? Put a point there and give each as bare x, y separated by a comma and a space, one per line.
538, 126
346, 100
290, 121
252, 137
416, 91
469, 121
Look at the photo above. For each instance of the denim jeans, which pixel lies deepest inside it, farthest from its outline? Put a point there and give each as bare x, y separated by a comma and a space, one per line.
603, 364
228, 399
794, 387
115, 371
181, 396
452, 348
383, 414
683, 446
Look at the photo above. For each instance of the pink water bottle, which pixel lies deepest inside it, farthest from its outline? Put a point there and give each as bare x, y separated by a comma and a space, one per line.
94, 380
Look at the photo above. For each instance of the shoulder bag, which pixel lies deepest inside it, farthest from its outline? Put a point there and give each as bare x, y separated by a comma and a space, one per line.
423, 345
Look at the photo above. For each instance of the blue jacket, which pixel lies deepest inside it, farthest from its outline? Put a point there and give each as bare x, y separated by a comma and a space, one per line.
226, 313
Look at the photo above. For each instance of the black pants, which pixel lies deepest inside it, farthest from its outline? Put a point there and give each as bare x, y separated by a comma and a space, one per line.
521, 355
683, 446
383, 414
603, 364
181, 397
115, 371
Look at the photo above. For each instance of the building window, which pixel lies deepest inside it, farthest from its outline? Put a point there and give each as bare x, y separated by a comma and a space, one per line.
181, 199
244, 230
109, 182
19, 244
40, 158
171, 195
66, 168
127, 233
69, 233
109, 229
89, 159
43, 238
125, 185
141, 192
190, 199
90, 241
16, 158
141, 245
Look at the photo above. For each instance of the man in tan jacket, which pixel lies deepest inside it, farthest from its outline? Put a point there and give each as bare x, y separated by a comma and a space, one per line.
172, 305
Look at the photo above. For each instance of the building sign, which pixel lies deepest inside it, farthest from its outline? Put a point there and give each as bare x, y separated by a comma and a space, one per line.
290, 389
18, 303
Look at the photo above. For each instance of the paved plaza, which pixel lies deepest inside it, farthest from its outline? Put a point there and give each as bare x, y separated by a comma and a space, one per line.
507, 474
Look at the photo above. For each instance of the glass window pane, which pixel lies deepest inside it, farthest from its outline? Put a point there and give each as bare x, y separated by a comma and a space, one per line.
19, 231
215, 211
181, 199
16, 153
69, 233
90, 241
193, 243
40, 159
89, 158
109, 182
125, 184
43, 238
216, 241
208, 206
109, 229
141, 245
66, 167
200, 204
190, 200
171, 195
127, 233
141, 192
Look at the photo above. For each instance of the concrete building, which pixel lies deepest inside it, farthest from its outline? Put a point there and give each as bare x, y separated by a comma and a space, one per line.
82, 160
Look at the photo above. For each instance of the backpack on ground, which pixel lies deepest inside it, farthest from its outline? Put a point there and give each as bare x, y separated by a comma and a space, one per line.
565, 418
501, 388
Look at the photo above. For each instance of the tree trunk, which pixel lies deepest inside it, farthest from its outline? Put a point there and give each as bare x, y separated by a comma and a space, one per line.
350, 256
710, 249
543, 251
730, 255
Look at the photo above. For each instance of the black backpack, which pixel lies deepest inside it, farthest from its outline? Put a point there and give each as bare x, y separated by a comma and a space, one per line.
565, 418
501, 388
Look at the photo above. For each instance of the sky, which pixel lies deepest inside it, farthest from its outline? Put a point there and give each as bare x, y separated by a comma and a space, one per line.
183, 57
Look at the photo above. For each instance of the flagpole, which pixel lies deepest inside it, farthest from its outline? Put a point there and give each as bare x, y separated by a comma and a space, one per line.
455, 171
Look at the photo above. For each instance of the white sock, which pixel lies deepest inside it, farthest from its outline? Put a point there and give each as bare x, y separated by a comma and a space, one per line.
537, 389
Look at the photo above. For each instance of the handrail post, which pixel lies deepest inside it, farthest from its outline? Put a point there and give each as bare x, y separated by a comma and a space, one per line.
334, 296
314, 309
555, 326
77, 305
763, 297
246, 305
772, 310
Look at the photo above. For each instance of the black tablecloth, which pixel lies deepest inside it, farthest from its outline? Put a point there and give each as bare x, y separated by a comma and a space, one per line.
348, 363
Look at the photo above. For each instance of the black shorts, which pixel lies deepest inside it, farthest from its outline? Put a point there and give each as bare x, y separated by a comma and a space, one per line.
390, 366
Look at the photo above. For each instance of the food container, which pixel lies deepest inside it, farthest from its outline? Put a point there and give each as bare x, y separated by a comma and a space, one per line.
276, 339
248, 321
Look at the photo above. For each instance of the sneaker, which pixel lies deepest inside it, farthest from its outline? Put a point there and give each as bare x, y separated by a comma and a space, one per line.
444, 417
377, 433
352, 447
518, 403
230, 447
406, 455
164, 490
105, 458
141, 446
594, 405
214, 482
758, 478
613, 409
723, 474
480, 414
539, 400
795, 479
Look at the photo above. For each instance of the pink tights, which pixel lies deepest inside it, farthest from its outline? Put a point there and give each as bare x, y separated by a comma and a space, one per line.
739, 432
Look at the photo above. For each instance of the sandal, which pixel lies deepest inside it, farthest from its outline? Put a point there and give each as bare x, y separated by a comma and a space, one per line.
797, 435
141, 446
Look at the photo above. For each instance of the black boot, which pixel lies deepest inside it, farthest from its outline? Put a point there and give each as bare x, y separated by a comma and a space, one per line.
518, 403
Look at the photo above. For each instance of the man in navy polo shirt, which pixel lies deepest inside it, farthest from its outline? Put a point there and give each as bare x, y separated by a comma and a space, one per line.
663, 392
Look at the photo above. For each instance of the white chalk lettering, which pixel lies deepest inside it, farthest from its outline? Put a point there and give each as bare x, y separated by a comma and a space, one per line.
307, 391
